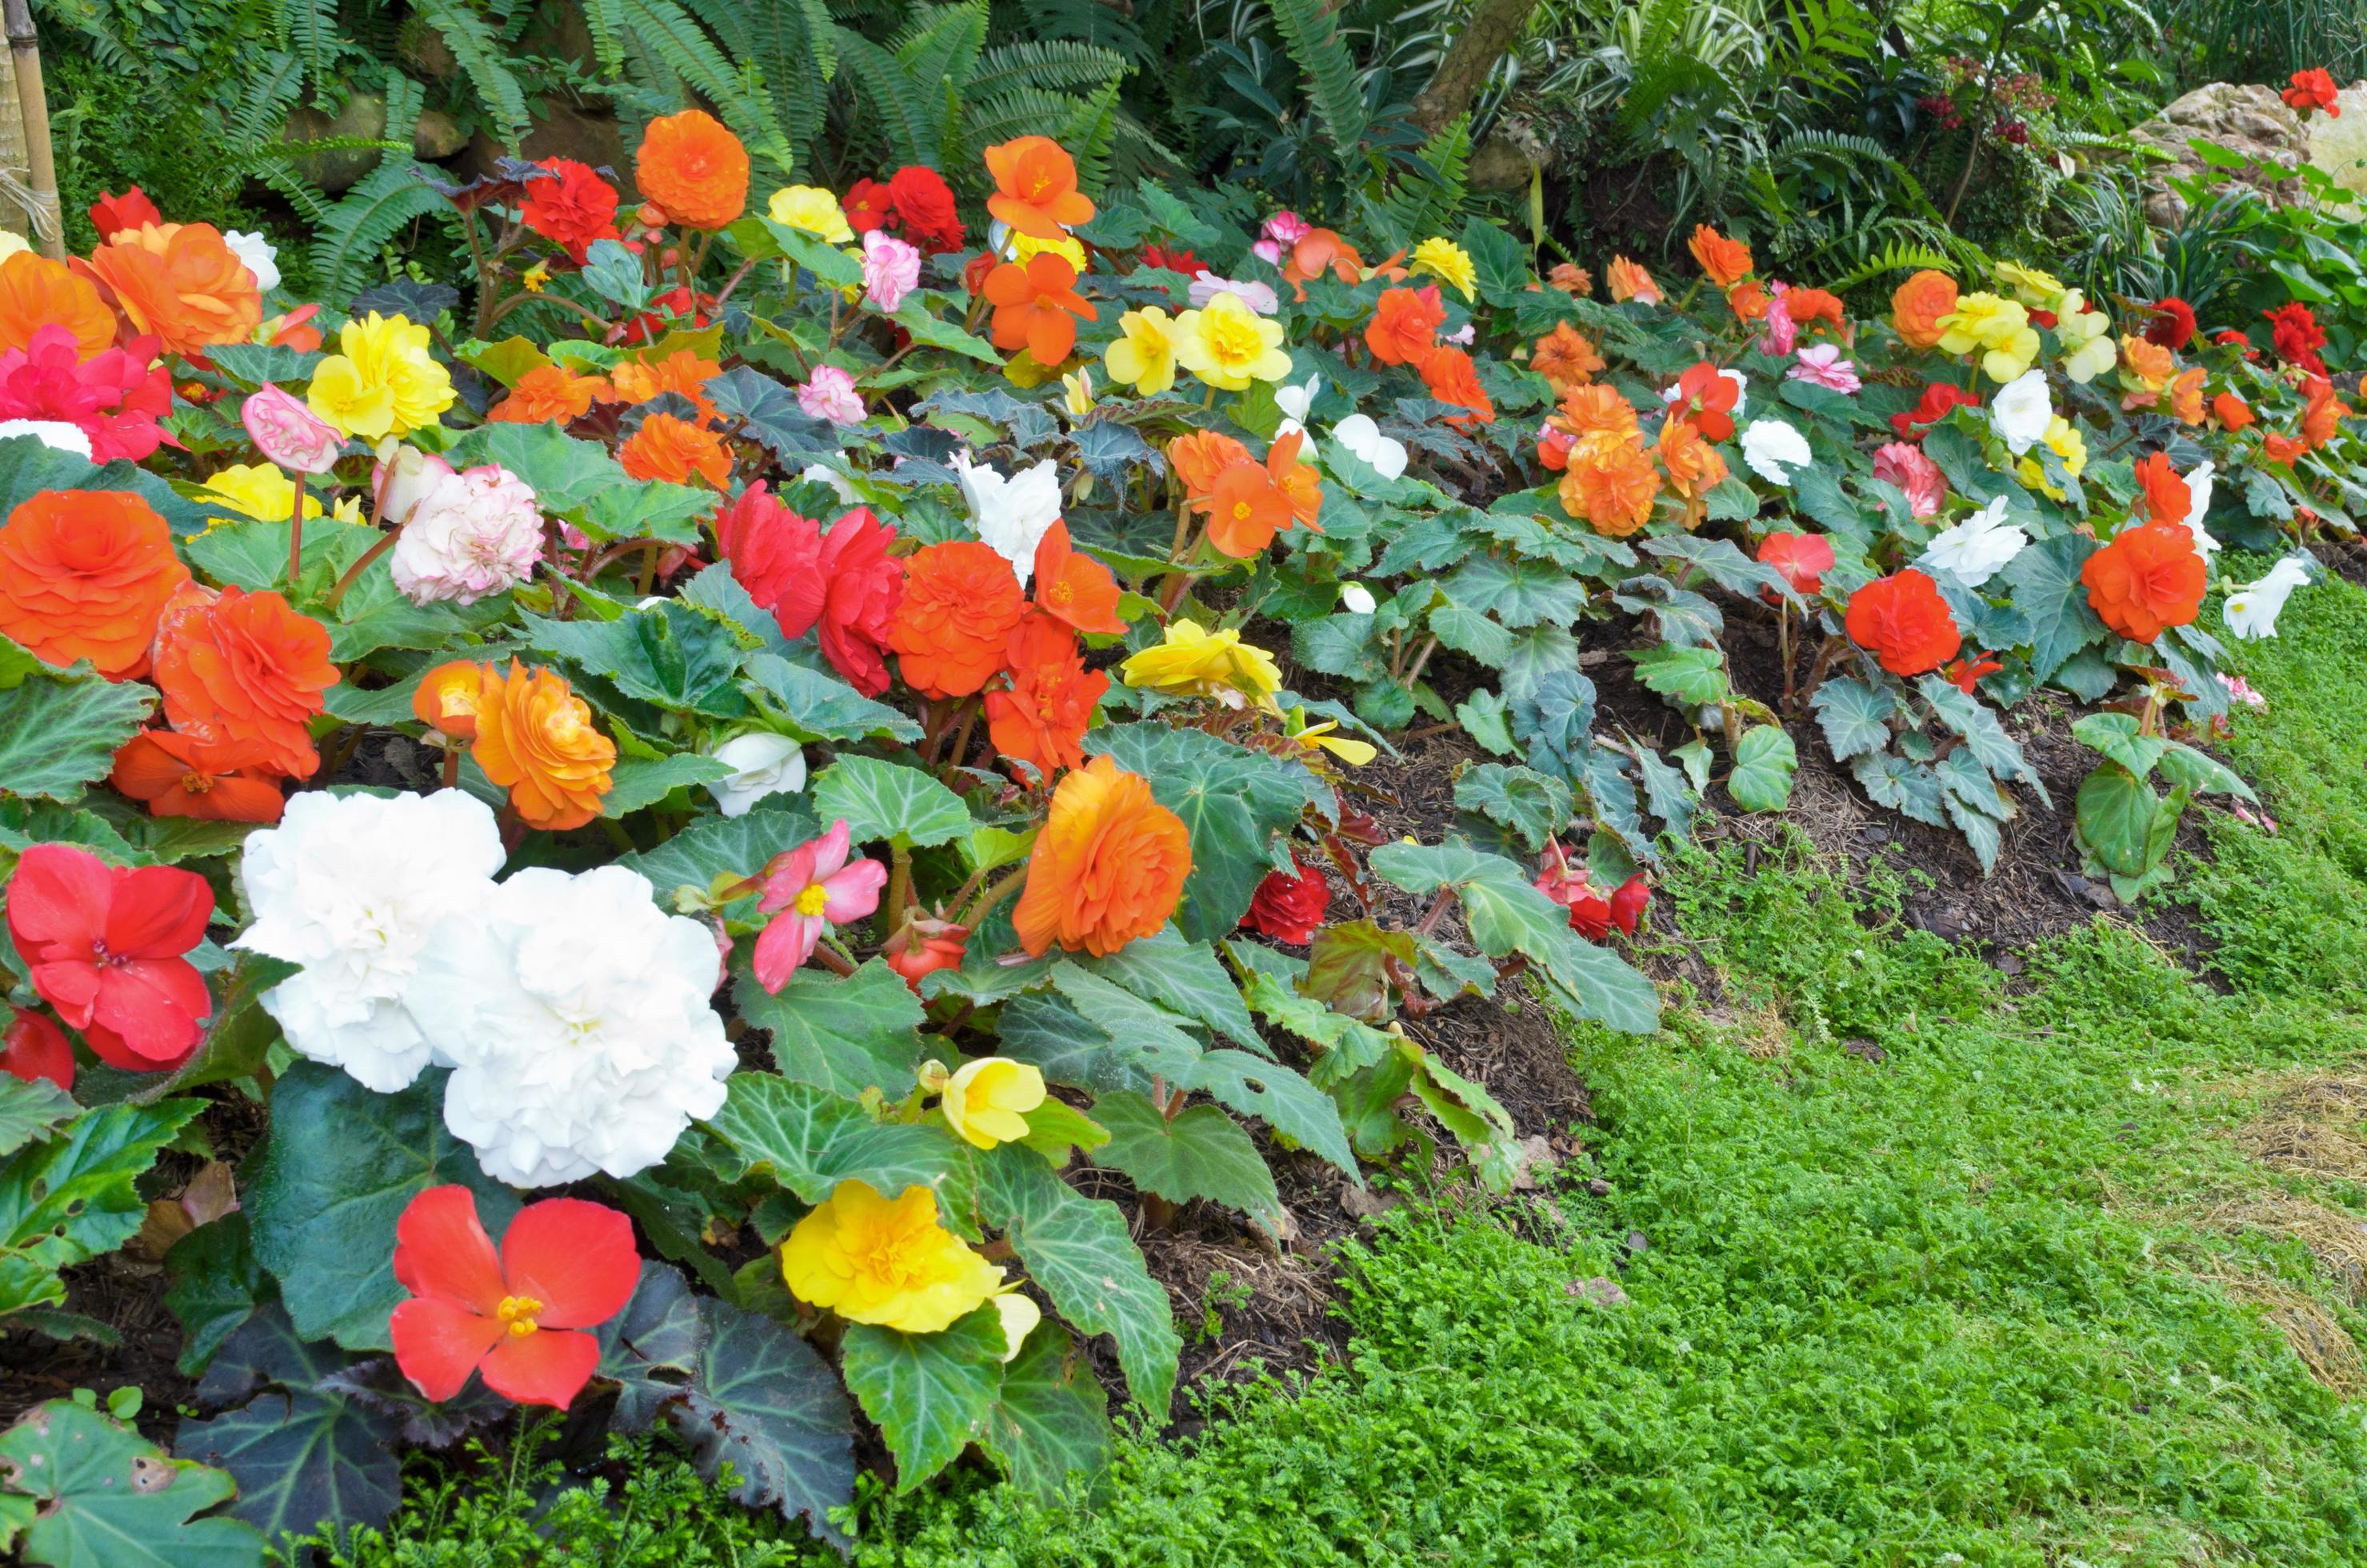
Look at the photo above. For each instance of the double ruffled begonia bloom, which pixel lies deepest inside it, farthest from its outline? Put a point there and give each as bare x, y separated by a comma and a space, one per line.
2022, 411
518, 1315
1902, 620
1228, 346
676, 451
1442, 258
178, 282
1609, 481
550, 394
889, 1263
1628, 281
107, 947
809, 889
694, 169
570, 205
86, 575
1041, 717
351, 887
535, 739
382, 382
245, 667
844, 581
105, 406
1012, 515
36, 292
472, 534
1109, 866
1724, 261
961, 603
1405, 324
829, 393
575, 1013
1902, 463
1289, 906
891, 269
2149, 577
1920, 307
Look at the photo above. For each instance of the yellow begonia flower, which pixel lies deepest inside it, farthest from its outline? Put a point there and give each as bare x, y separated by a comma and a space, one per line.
1077, 395
536, 277
1998, 329
1194, 663
1020, 1316
1354, 752
385, 383
2037, 289
1066, 248
260, 490
811, 210
893, 1263
2086, 337
1447, 262
1143, 354
988, 1100
1227, 344
2062, 438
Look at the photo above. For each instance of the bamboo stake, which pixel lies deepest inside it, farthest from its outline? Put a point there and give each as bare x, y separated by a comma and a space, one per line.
25, 47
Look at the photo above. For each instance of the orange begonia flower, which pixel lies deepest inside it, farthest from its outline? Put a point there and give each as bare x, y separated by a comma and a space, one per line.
550, 394
2149, 363
1319, 251
1246, 509
1918, 306
1694, 466
86, 575
674, 450
1072, 586
180, 776
2162, 495
1747, 299
245, 668
1036, 305
2148, 578
1726, 262
1199, 457
1035, 189
1451, 376
2233, 411
1610, 484
1902, 620
448, 696
1566, 357
2280, 448
682, 371
1405, 324
961, 603
1805, 305
694, 169
1295, 479
180, 282
1589, 409
1041, 719
1628, 281
2322, 417
534, 738
36, 292
1109, 867
2186, 396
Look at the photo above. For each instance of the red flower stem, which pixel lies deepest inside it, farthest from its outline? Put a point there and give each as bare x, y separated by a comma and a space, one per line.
379, 547
451, 767
1437, 910
899, 888
993, 896
970, 708
296, 539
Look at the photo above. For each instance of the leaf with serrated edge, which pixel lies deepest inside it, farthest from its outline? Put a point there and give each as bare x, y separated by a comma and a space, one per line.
766, 1404
1201, 1152
929, 1394
111, 1499
886, 802
811, 1140
1051, 1420
846, 1035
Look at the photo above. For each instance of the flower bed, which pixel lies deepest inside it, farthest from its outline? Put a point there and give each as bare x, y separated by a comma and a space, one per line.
836, 663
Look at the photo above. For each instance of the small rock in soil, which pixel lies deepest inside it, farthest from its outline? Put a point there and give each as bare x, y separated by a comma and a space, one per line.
1603, 1293
1635, 1247
1599, 1187
1537, 1158
1362, 1203
2008, 963
1864, 1049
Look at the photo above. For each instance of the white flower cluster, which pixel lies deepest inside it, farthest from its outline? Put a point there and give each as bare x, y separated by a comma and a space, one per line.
575, 1012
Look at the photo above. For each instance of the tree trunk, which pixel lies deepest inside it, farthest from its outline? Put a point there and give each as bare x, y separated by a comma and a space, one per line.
25, 50
1493, 26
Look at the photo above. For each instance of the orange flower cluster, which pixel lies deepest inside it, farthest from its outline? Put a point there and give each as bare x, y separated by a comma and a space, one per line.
676, 451
1566, 357
1451, 376
1246, 502
550, 394
1405, 324
952, 628
179, 282
1036, 305
682, 372
1728, 265
86, 575
694, 170
534, 738
1918, 306
2150, 577
1109, 867
247, 669
1610, 483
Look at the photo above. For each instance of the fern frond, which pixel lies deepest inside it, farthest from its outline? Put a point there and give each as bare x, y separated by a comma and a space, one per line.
351, 233
945, 47
668, 32
311, 31
1048, 66
480, 55
1322, 55
908, 116
1897, 257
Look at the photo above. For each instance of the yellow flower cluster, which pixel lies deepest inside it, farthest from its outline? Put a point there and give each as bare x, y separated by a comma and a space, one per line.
384, 383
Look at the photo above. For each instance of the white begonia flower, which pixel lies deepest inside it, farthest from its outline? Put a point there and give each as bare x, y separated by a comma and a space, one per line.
1669, 393
257, 254
1294, 402
1011, 515
2022, 411
820, 473
2086, 338
352, 887
2251, 610
1773, 448
1386, 455
762, 763
472, 534
1356, 598
1976, 549
2199, 483
55, 432
575, 1013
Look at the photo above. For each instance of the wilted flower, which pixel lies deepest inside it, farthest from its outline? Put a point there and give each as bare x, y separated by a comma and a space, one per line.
351, 887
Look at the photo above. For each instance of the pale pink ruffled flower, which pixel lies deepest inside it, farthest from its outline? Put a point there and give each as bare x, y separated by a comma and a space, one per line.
831, 395
475, 533
402, 479
1822, 366
1286, 228
289, 434
812, 887
891, 269
1461, 336
1257, 297
1904, 464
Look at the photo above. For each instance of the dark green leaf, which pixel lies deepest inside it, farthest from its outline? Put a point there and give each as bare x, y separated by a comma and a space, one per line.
1050, 1423
809, 1140
764, 1402
70, 1198
844, 1035
930, 1394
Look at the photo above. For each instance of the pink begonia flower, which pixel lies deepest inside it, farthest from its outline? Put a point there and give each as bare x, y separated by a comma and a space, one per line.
1267, 250
891, 269
831, 395
113, 398
1783, 332
813, 887
1257, 297
2241, 690
1462, 335
402, 480
289, 434
1904, 464
1823, 365
474, 534
1286, 228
